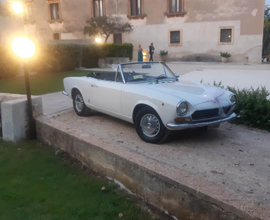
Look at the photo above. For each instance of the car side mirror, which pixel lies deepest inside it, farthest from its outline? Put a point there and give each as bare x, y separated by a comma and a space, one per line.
176, 75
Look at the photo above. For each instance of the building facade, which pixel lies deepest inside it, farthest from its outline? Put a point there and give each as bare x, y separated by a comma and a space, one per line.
10, 25
190, 30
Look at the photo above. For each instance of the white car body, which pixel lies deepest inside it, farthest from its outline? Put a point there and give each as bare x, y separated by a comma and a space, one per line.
122, 99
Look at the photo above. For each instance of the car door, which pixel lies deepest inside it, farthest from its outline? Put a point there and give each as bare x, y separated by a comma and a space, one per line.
107, 95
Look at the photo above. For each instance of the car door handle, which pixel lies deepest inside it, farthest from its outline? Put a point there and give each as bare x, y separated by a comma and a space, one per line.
94, 85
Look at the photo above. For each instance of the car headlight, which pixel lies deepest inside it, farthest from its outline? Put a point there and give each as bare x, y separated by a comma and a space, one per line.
233, 99
182, 108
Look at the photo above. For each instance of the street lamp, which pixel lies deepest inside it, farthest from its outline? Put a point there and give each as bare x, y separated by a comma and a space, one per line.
24, 48
17, 7
98, 40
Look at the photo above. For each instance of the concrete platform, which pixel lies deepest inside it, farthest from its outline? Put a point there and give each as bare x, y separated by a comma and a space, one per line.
219, 174
215, 175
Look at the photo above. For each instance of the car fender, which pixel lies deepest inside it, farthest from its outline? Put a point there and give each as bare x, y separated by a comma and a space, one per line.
72, 83
150, 104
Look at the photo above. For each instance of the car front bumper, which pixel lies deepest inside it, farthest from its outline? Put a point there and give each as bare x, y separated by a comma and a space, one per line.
173, 126
65, 93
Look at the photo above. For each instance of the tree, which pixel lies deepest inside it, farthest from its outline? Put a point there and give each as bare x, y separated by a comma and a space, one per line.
106, 25
266, 32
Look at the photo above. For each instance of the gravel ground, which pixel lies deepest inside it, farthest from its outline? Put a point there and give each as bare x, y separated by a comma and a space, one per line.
235, 156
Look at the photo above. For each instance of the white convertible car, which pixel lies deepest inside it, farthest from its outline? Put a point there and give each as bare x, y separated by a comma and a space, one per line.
150, 95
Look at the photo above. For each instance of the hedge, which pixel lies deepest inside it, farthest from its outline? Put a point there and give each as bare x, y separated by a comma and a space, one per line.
63, 57
119, 50
253, 106
89, 56
9, 64
56, 58
91, 53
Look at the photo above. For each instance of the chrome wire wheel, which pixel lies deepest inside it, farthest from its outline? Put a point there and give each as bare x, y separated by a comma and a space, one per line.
150, 125
79, 102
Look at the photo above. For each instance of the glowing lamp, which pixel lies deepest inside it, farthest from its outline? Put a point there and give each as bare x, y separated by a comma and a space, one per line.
17, 7
23, 47
98, 40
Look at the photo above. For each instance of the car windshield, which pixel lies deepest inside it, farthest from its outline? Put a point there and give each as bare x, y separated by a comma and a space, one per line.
148, 71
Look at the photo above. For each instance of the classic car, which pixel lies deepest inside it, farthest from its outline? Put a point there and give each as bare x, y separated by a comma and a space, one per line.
151, 96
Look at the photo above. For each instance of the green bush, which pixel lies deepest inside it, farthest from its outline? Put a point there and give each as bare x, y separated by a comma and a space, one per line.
91, 53
119, 50
63, 57
253, 107
225, 54
56, 58
89, 56
9, 64
163, 53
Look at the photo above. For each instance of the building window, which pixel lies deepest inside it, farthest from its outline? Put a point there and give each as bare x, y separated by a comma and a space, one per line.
28, 13
98, 8
175, 6
56, 36
54, 11
117, 38
226, 35
135, 7
175, 37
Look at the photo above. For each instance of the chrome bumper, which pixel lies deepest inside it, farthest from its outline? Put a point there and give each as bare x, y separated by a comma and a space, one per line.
65, 93
172, 126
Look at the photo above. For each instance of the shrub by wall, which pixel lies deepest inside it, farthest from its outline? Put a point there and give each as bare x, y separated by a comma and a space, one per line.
253, 107
119, 50
52, 58
9, 64
56, 58
91, 53
89, 56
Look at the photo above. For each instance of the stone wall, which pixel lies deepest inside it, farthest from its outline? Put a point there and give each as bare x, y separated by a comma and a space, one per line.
5, 97
13, 113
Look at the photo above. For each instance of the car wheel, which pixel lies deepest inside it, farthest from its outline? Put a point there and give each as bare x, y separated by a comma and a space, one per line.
149, 126
78, 103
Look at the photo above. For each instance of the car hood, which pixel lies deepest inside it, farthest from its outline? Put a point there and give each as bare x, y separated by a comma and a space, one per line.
193, 92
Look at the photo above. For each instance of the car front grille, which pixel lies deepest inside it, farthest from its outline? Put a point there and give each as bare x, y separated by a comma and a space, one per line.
205, 114
226, 109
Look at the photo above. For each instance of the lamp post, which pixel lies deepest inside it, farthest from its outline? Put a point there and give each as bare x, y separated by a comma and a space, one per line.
25, 49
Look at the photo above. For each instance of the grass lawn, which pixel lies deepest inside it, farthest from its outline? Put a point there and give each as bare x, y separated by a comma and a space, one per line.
36, 184
40, 83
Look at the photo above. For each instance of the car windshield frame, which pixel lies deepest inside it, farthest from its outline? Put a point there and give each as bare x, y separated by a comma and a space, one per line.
143, 72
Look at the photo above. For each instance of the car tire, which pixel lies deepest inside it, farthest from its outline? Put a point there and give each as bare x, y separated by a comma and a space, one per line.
78, 104
152, 132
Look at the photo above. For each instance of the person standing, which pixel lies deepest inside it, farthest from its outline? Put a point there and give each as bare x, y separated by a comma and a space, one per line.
151, 51
140, 54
